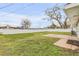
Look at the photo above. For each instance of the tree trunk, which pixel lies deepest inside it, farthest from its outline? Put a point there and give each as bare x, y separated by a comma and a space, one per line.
59, 23
65, 23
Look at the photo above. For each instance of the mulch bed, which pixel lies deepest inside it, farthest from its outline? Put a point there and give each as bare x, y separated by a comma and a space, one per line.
73, 42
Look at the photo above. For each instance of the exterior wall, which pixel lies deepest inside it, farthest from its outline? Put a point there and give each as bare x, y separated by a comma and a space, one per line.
71, 11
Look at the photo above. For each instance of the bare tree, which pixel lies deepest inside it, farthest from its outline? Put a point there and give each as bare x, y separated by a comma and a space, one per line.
65, 25
25, 24
56, 14
52, 26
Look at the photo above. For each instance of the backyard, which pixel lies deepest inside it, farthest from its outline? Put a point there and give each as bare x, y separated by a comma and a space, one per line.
32, 44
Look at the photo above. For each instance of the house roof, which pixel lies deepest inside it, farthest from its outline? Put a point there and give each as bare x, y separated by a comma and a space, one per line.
11, 25
71, 5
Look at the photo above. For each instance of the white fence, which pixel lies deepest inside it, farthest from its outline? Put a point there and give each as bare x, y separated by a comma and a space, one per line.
16, 31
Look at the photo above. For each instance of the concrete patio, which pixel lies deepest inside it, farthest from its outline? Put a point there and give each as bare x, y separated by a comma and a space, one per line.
63, 41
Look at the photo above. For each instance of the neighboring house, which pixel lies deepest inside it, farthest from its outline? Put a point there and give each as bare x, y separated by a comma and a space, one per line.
72, 11
7, 26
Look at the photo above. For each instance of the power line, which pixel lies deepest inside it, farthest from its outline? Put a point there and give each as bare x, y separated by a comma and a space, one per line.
15, 10
6, 6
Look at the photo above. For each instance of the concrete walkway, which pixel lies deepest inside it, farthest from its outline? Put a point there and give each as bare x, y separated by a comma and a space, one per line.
61, 36
63, 41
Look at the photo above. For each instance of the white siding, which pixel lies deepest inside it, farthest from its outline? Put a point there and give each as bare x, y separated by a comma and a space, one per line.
72, 10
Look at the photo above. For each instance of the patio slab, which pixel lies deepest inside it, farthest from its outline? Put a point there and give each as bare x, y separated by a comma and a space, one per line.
63, 41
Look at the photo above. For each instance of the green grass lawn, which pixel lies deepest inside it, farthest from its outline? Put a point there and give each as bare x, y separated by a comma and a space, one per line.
32, 44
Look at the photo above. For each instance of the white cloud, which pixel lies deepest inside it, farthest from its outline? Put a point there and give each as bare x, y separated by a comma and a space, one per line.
10, 18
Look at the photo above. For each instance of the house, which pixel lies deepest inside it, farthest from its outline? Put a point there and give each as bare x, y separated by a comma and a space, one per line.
72, 11
9, 26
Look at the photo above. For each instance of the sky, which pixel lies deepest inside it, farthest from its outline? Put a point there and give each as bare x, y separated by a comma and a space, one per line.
34, 12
